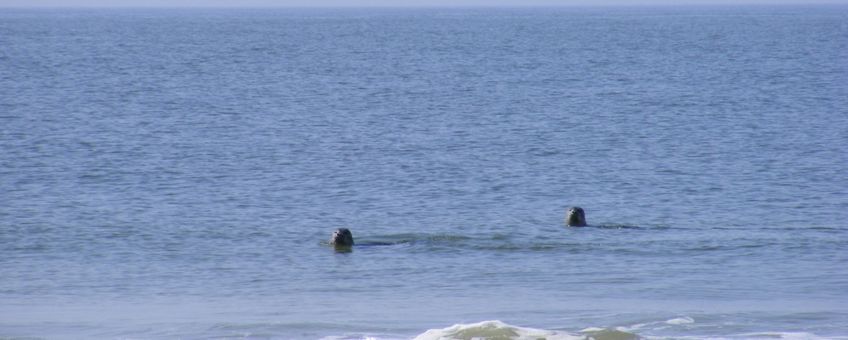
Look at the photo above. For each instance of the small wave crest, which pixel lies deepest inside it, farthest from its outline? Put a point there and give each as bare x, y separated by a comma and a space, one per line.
497, 330
680, 321
657, 325
494, 330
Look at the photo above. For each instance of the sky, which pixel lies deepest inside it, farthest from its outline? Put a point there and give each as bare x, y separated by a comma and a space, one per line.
391, 3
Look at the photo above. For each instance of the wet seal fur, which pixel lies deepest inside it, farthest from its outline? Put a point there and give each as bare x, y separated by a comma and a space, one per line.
341, 238
575, 217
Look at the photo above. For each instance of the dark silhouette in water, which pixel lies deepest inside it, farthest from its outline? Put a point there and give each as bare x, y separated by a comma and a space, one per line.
575, 217
342, 238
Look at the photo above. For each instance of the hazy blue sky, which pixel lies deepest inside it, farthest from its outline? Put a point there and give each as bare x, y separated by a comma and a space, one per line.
347, 3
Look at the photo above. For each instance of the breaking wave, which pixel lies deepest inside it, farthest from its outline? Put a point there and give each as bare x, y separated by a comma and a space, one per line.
497, 330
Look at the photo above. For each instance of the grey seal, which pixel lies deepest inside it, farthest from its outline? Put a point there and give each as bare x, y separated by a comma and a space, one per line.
342, 237
575, 217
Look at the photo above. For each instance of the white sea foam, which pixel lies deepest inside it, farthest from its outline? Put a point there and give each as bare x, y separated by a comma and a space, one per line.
680, 321
495, 330
654, 325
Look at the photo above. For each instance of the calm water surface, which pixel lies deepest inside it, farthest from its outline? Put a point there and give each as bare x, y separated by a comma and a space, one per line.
176, 173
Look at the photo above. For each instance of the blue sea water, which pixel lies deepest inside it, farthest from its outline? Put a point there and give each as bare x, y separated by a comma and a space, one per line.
172, 174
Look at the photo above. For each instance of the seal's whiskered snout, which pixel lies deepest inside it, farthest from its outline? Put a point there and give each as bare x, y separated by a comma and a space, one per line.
575, 217
342, 237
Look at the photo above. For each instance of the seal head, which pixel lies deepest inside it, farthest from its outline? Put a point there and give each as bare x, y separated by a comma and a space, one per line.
575, 217
342, 237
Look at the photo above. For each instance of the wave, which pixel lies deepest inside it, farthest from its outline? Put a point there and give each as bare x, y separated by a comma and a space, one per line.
497, 330
494, 330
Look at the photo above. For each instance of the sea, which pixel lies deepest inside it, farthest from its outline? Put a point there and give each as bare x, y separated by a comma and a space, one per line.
177, 173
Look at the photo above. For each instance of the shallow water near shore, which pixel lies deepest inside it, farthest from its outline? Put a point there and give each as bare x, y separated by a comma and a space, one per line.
177, 174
